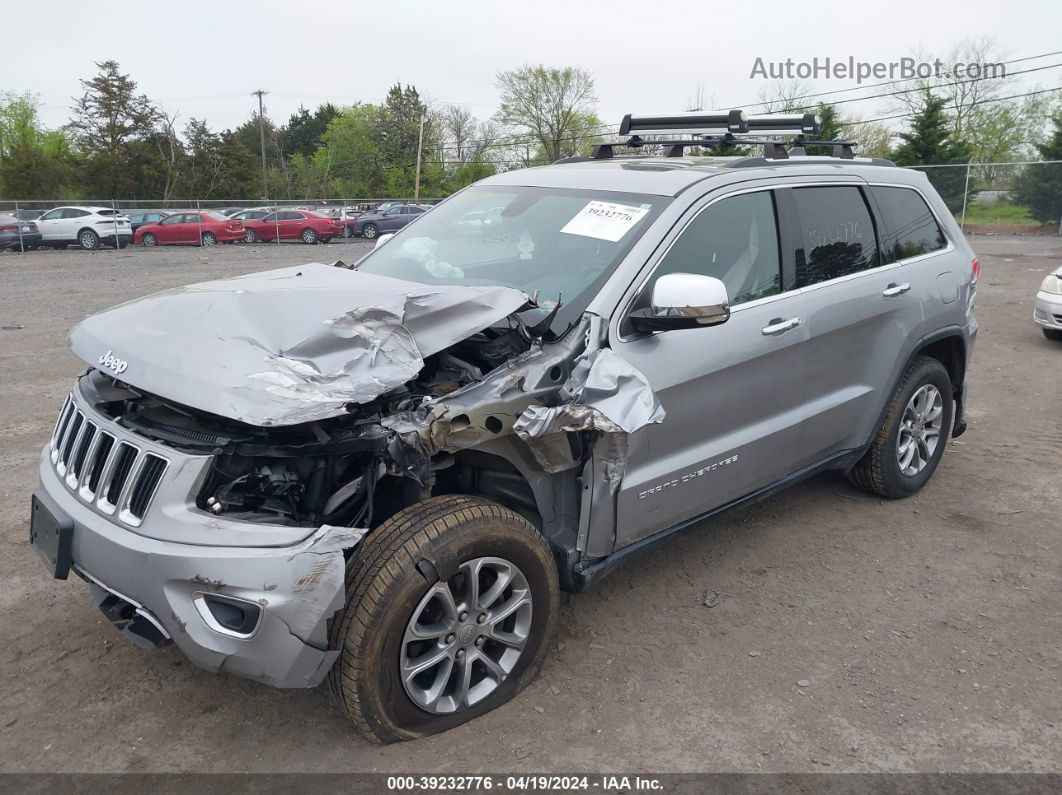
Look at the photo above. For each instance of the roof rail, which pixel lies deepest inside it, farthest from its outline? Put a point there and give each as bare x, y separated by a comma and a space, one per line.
717, 131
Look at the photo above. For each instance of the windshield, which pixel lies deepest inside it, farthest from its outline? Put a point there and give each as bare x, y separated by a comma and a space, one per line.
561, 243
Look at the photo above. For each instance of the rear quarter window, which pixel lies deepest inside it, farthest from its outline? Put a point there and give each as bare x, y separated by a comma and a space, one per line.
909, 227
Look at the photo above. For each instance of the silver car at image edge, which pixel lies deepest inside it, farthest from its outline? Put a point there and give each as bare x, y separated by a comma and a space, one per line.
382, 475
1047, 311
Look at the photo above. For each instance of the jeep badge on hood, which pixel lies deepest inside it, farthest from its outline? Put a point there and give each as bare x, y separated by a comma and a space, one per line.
110, 361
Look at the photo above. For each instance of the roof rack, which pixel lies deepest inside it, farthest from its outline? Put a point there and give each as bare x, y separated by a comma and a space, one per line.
716, 131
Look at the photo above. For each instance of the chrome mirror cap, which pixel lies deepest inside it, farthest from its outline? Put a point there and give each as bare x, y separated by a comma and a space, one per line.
684, 300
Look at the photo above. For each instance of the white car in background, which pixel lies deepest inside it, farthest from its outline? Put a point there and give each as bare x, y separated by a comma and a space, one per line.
1048, 310
89, 227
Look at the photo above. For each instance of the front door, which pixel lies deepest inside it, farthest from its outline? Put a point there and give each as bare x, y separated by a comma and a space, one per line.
51, 225
731, 426
169, 230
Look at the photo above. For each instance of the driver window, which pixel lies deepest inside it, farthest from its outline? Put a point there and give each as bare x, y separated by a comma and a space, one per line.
734, 240
172, 219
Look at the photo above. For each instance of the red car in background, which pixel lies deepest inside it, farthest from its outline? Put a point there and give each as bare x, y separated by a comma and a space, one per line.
304, 225
200, 227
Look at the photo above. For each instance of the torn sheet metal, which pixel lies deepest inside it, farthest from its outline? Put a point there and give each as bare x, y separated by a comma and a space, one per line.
607, 394
286, 346
318, 590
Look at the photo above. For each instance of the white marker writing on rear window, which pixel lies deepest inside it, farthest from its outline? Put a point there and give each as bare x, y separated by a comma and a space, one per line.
604, 220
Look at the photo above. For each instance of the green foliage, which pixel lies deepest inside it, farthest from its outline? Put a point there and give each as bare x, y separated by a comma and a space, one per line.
830, 128
1040, 186
34, 162
111, 128
305, 130
552, 107
930, 141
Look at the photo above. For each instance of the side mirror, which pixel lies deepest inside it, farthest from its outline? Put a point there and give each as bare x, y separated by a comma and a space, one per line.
683, 300
383, 239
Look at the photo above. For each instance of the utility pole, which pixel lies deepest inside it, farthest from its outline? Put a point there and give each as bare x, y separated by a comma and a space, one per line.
420, 148
261, 134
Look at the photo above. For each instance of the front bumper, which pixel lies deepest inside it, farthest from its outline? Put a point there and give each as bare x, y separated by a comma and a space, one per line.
148, 582
1047, 311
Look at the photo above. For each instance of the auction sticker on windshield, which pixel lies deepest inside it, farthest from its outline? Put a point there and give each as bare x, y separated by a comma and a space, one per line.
604, 220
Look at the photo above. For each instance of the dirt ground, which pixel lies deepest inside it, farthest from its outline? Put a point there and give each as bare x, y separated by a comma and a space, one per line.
928, 630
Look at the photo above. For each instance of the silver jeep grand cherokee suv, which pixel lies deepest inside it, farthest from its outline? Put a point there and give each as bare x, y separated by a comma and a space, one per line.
383, 474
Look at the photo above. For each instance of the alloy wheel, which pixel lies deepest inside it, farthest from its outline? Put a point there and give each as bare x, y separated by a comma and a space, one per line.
919, 432
466, 636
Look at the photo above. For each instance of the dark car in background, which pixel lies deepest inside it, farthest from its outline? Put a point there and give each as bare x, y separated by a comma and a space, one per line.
18, 235
139, 219
25, 215
389, 219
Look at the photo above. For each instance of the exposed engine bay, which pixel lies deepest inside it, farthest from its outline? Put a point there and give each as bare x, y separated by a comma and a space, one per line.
321, 472
317, 414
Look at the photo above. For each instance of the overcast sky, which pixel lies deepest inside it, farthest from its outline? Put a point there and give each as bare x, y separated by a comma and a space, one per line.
203, 60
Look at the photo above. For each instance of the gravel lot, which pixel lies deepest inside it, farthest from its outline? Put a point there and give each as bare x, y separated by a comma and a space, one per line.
928, 630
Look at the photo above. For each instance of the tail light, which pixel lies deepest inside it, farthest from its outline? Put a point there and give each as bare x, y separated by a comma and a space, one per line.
8, 228
975, 271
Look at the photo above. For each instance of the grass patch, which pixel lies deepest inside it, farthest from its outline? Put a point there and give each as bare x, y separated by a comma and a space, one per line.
999, 213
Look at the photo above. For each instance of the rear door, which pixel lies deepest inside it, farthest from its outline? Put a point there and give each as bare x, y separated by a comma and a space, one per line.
72, 222
731, 425
860, 313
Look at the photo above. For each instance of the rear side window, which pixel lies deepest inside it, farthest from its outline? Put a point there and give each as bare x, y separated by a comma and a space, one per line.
836, 232
735, 240
910, 229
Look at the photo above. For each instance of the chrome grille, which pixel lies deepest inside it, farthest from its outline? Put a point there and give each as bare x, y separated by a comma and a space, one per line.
113, 475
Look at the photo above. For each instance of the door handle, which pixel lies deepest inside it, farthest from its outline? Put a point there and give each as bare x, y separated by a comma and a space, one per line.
896, 289
780, 325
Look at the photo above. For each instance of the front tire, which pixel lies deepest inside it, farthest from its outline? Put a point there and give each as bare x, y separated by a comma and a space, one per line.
1052, 334
370, 231
149, 240
88, 239
907, 448
450, 605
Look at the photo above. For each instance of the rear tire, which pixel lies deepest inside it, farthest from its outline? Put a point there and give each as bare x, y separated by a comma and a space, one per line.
209, 239
249, 236
88, 240
391, 583
309, 236
1052, 334
904, 453
370, 231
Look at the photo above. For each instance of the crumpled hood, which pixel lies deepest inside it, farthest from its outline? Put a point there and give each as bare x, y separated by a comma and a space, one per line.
285, 346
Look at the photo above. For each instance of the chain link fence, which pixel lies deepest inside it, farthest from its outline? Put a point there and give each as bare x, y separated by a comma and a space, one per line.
1008, 197
1005, 197
18, 231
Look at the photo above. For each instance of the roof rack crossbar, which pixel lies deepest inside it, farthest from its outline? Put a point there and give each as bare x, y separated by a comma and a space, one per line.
778, 150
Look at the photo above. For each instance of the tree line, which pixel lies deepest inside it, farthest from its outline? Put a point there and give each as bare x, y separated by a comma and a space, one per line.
119, 144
